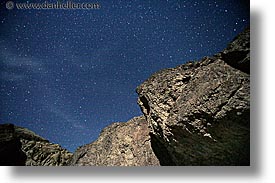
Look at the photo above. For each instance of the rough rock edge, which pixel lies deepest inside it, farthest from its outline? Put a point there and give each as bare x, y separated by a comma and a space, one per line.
119, 144
183, 122
21, 146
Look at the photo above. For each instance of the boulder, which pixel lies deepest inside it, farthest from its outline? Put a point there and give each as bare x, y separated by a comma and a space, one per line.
198, 112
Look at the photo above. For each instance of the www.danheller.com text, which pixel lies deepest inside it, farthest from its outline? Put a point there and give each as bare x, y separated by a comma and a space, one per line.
53, 5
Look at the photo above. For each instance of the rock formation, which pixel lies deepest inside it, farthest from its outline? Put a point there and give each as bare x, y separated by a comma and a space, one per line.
198, 112
194, 114
120, 144
20, 146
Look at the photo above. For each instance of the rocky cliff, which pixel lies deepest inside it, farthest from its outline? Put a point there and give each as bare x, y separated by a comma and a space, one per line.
120, 144
198, 112
194, 114
20, 146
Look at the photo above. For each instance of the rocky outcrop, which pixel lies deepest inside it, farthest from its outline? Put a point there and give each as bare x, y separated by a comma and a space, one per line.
194, 114
237, 54
20, 146
198, 112
120, 144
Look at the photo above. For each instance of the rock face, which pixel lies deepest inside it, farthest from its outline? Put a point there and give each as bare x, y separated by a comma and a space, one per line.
237, 54
198, 113
120, 144
20, 146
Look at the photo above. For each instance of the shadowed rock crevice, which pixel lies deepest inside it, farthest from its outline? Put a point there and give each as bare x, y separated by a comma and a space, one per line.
238, 59
161, 152
145, 104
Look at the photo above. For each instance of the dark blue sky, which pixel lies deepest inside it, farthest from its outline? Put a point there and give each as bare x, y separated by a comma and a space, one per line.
66, 74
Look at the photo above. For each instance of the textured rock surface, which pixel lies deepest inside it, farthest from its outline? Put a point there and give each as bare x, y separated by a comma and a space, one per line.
199, 112
120, 144
237, 54
20, 146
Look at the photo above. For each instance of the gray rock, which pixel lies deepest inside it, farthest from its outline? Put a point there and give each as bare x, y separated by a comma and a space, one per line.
120, 144
20, 146
198, 113
237, 54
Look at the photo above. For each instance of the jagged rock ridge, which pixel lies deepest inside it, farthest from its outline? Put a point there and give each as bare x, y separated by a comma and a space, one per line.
198, 112
20, 146
120, 144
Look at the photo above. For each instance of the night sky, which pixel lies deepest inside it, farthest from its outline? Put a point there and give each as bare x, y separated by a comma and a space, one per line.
67, 74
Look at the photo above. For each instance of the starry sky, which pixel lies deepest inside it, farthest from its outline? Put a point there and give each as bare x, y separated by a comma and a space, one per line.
67, 74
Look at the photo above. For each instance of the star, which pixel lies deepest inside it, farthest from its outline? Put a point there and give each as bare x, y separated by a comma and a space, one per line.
66, 74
